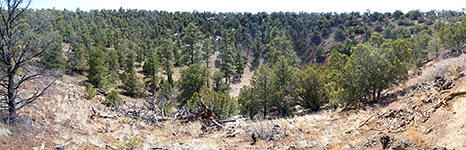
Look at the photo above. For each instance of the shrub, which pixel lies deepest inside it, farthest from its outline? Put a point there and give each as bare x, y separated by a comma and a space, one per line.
339, 35
114, 99
90, 92
132, 143
220, 104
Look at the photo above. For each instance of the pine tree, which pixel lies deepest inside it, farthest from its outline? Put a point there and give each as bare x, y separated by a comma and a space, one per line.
219, 85
131, 81
53, 59
90, 92
98, 68
165, 57
207, 51
190, 40
226, 65
239, 63
151, 69
114, 99
263, 87
113, 66
193, 80
77, 58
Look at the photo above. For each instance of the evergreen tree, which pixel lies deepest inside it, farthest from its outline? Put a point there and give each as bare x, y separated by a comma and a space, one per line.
258, 97
207, 51
131, 81
280, 46
113, 66
239, 62
53, 58
220, 104
193, 80
98, 68
151, 69
165, 57
114, 99
226, 65
220, 85
190, 40
166, 97
77, 58
310, 86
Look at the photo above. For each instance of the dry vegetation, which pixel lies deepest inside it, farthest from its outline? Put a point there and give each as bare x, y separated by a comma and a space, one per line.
423, 113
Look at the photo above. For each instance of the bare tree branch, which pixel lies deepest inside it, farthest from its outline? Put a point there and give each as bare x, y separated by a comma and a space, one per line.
24, 36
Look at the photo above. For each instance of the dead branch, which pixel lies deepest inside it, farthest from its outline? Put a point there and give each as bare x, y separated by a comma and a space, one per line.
62, 146
226, 121
444, 100
96, 114
367, 120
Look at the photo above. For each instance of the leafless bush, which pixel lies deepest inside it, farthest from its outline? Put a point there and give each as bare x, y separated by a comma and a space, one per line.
441, 69
266, 130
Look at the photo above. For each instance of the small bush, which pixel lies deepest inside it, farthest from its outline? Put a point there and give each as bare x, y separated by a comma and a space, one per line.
90, 92
132, 143
114, 99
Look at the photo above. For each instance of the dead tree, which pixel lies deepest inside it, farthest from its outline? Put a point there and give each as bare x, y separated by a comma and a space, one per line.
24, 37
207, 115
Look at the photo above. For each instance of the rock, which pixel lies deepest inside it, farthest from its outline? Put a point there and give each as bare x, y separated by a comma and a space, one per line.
402, 145
346, 147
304, 144
254, 138
384, 140
440, 148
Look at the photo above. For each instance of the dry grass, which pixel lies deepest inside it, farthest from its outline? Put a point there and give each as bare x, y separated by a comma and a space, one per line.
197, 144
453, 71
190, 129
442, 68
4, 131
415, 135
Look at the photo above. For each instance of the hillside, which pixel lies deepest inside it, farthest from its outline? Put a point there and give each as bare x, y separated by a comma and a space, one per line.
412, 113
141, 79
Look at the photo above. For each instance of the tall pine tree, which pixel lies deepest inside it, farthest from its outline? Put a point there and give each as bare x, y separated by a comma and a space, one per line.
131, 81
151, 69
98, 68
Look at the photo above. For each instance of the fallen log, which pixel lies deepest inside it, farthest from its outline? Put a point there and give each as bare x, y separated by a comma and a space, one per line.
447, 98
226, 121
96, 114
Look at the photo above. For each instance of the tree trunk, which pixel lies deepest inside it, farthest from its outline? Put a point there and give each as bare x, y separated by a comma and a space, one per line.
379, 92
11, 97
265, 108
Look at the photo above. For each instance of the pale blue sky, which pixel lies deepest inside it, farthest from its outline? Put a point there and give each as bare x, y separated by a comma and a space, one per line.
256, 5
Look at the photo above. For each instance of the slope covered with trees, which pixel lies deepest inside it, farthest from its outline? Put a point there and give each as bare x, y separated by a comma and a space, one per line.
306, 59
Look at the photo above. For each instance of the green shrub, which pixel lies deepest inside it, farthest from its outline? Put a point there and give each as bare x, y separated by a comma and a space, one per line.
90, 92
114, 99
132, 143
220, 104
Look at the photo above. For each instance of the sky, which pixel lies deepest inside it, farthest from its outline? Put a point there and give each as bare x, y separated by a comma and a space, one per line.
255, 6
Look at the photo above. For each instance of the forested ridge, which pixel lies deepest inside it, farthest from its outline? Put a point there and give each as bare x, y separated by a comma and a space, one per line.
306, 59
